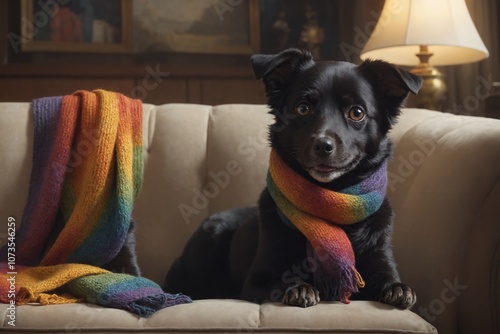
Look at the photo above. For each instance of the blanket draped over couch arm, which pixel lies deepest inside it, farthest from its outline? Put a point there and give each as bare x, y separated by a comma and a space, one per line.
87, 170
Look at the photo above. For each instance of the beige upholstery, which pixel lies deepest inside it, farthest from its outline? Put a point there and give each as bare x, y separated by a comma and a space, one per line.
444, 184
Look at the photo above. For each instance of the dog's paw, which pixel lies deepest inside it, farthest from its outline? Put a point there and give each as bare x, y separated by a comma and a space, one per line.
303, 295
399, 295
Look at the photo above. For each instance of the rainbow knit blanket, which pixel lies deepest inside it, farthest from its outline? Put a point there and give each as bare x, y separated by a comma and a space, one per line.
317, 213
87, 169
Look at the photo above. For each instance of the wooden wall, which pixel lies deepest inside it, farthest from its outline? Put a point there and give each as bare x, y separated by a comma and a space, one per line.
209, 85
156, 78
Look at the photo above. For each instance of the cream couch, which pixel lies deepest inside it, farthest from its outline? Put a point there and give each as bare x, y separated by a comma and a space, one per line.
444, 185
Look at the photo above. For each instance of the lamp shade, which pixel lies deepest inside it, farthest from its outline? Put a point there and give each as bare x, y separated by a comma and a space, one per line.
445, 26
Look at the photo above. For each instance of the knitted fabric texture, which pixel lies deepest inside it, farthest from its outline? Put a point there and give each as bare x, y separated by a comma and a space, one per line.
317, 213
87, 169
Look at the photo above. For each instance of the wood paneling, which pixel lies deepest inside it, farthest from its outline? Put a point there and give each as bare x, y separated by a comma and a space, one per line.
103, 69
26, 89
195, 91
221, 91
167, 91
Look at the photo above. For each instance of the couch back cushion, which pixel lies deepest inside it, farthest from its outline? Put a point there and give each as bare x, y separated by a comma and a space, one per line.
198, 160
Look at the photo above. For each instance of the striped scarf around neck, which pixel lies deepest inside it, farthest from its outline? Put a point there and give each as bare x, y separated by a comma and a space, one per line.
318, 213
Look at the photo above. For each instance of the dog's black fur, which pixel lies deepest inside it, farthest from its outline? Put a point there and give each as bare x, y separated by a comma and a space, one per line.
332, 120
125, 261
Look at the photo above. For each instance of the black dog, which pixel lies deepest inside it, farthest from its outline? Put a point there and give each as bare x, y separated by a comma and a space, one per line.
332, 120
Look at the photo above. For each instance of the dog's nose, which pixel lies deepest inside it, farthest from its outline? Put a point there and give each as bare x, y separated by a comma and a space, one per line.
323, 146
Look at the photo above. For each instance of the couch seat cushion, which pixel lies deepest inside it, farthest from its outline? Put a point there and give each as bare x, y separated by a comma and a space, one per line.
220, 316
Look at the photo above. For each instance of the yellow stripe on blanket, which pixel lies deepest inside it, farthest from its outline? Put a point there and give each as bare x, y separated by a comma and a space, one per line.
37, 284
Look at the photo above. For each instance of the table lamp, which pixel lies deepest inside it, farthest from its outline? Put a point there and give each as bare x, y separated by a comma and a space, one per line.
424, 32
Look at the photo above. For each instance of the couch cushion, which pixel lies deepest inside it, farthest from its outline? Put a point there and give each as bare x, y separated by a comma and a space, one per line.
198, 160
219, 316
444, 181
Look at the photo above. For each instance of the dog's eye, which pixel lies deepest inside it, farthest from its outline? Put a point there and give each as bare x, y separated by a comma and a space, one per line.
303, 110
356, 114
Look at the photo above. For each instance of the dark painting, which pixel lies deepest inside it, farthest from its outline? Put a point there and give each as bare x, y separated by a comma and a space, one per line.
308, 24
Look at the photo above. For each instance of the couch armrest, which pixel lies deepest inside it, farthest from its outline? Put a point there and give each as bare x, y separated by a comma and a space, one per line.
444, 183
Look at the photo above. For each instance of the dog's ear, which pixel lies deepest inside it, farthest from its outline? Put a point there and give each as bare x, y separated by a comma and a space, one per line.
276, 70
391, 84
280, 65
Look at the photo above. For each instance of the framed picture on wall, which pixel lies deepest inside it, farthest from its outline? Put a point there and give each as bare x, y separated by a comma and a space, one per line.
196, 26
76, 25
313, 25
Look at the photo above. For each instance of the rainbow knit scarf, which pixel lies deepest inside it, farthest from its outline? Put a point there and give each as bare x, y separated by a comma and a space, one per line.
317, 213
87, 169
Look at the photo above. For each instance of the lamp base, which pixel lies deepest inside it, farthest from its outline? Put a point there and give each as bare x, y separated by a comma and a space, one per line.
433, 93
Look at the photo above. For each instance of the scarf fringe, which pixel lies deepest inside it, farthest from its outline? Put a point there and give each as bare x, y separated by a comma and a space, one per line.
345, 284
148, 305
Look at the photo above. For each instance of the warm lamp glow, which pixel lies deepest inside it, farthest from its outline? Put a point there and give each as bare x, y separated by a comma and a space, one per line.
426, 33
445, 26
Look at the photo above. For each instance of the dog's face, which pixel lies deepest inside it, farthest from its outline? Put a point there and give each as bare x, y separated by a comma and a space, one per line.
331, 117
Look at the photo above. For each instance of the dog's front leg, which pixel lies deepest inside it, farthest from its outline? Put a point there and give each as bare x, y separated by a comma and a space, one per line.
277, 273
383, 283
375, 261
287, 288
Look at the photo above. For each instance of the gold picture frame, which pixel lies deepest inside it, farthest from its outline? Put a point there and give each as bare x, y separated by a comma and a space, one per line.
39, 24
205, 27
